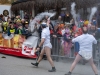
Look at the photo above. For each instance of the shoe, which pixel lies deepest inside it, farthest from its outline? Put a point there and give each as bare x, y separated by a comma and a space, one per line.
52, 70
69, 73
96, 74
35, 64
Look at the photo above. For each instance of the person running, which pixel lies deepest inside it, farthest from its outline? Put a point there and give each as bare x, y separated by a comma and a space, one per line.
45, 41
85, 41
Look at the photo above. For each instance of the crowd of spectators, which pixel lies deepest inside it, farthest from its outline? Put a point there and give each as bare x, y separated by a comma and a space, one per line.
17, 25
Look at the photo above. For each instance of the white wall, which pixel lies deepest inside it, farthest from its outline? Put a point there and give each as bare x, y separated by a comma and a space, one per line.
5, 7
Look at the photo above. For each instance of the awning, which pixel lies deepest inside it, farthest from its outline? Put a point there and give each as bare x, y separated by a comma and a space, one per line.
51, 4
22, 5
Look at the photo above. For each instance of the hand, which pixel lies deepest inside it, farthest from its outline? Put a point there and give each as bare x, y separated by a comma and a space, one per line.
93, 34
3, 32
37, 50
54, 36
69, 38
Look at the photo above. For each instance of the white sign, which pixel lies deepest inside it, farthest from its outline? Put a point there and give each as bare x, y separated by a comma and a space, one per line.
29, 46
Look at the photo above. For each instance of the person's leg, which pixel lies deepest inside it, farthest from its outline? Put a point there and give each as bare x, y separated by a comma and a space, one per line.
93, 66
41, 55
48, 54
65, 48
77, 59
40, 58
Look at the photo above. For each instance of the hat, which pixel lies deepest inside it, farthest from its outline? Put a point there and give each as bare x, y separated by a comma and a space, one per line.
86, 22
43, 24
26, 22
18, 20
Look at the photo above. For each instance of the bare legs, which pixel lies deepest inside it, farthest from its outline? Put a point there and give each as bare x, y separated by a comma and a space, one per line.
78, 58
46, 50
93, 66
48, 54
41, 55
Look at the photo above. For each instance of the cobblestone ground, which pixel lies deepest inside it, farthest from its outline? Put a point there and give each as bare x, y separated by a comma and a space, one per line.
21, 66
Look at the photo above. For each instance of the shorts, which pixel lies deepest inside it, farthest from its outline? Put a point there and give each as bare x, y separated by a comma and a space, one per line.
80, 55
47, 45
85, 54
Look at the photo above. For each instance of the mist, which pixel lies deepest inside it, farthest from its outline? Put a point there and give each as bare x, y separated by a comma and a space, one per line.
73, 12
93, 11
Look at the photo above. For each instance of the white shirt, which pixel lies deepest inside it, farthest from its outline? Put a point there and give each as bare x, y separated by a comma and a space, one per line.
46, 35
63, 31
85, 41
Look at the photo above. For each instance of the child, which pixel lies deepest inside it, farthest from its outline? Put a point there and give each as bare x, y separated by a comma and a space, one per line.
11, 29
20, 30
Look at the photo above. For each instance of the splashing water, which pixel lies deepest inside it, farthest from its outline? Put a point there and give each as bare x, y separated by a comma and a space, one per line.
93, 11
39, 17
73, 12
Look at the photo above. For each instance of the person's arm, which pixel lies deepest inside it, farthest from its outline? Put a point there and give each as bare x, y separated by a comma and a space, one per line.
59, 33
8, 32
48, 22
23, 31
76, 39
17, 31
95, 41
42, 41
35, 29
52, 25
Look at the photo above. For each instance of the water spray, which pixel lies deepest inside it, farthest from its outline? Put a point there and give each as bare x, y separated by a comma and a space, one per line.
73, 12
39, 17
93, 11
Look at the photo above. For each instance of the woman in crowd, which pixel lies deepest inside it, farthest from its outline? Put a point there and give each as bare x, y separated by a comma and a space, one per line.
66, 42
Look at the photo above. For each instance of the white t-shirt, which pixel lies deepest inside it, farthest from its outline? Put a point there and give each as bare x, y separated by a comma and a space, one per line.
85, 41
63, 31
46, 35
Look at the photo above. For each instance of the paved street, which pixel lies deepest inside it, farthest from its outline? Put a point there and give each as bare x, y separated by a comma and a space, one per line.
21, 66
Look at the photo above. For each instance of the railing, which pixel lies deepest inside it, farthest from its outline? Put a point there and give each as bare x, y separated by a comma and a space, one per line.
96, 53
58, 50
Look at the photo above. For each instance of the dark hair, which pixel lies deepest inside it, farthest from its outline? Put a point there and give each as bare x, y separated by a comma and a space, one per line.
43, 25
84, 31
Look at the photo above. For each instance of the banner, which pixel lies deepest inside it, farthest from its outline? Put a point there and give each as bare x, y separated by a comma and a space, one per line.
17, 45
